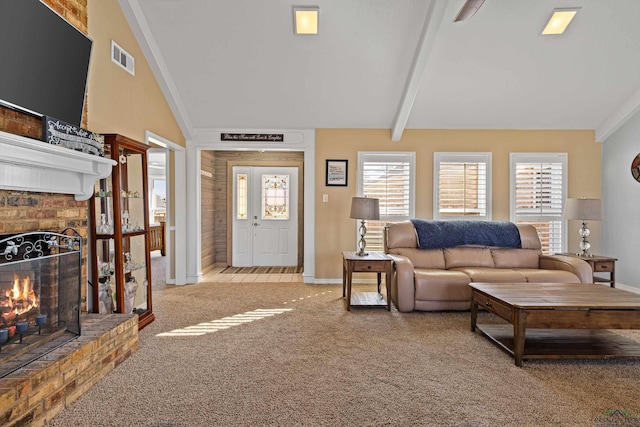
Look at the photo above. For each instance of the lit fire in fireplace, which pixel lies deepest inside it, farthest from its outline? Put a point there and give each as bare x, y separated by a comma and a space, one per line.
20, 299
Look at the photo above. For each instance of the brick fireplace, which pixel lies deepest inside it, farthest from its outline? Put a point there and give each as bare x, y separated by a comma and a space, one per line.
40, 282
22, 211
46, 188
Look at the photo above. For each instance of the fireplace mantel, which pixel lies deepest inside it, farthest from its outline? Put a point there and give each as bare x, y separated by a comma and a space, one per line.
30, 165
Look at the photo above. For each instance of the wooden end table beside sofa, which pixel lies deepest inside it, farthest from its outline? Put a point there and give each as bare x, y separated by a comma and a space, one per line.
599, 264
372, 262
559, 320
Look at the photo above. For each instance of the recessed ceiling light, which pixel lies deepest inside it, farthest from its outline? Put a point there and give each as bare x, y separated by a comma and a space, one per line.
306, 19
559, 21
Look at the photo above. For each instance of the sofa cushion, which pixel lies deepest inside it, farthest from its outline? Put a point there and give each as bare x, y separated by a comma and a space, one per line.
422, 258
515, 258
442, 305
468, 256
553, 276
497, 275
441, 285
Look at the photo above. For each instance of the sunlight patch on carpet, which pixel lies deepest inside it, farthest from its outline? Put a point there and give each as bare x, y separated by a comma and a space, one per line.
308, 296
224, 323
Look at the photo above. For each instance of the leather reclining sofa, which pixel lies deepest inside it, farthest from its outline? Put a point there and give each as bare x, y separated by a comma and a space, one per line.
437, 279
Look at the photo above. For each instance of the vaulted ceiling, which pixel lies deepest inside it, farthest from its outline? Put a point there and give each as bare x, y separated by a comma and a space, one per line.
392, 64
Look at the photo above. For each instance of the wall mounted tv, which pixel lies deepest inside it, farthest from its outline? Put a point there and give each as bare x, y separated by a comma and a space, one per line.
45, 61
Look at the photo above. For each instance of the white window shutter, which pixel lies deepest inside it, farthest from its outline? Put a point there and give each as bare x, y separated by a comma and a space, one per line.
538, 187
462, 188
390, 178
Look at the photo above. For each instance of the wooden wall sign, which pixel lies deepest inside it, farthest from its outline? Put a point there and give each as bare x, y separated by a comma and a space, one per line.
270, 137
57, 132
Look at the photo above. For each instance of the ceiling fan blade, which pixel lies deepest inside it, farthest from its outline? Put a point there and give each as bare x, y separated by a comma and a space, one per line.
468, 9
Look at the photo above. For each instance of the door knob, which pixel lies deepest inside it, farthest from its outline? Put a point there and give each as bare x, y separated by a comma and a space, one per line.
256, 224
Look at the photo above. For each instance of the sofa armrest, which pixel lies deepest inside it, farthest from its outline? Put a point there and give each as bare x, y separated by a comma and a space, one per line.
403, 283
577, 266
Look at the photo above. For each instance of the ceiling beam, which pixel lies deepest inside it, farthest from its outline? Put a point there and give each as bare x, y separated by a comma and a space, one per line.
469, 8
433, 19
147, 43
622, 114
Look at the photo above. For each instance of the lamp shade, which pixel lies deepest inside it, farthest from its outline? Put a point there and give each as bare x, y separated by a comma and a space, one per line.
365, 208
583, 209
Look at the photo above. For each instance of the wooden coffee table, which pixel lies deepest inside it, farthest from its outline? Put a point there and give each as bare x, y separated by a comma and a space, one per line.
558, 320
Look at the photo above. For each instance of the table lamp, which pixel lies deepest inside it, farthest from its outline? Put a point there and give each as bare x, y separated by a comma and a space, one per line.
583, 209
364, 208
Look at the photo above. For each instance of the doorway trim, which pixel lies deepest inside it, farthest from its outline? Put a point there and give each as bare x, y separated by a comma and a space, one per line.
176, 227
211, 139
300, 207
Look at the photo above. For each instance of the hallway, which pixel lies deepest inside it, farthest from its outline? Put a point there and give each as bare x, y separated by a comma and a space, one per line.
216, 275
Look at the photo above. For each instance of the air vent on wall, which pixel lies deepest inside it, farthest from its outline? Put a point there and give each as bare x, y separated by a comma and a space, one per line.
122, 58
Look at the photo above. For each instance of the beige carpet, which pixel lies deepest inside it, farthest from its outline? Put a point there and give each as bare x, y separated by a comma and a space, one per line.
158, 278
319, 365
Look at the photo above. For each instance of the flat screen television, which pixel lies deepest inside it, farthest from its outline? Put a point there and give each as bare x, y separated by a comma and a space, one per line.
44, 61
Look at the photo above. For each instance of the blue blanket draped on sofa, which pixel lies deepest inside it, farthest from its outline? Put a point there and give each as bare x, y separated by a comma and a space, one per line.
446, 234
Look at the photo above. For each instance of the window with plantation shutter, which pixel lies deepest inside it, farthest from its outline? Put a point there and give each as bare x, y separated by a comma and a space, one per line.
462, 188
389, 177
538, 191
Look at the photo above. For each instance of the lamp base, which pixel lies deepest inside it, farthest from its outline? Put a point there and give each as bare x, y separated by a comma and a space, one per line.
585, 254
362, 243
584, 243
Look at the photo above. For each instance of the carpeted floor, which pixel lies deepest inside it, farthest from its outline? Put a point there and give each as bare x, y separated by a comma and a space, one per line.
158, 278
320, 365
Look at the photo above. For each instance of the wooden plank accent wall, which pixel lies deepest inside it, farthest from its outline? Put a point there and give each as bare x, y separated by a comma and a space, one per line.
217, 242
207, 209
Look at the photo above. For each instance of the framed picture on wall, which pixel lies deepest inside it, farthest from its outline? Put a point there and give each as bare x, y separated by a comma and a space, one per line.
337, 173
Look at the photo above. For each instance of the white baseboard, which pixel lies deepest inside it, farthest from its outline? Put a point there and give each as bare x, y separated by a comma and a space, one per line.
628, 288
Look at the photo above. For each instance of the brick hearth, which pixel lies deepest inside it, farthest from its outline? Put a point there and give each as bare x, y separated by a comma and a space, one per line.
36, 393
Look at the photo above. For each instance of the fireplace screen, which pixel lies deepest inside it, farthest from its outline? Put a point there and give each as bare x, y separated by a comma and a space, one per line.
40, 284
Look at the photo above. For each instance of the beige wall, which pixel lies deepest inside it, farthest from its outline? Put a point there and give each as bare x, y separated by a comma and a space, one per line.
335, 232
119, 102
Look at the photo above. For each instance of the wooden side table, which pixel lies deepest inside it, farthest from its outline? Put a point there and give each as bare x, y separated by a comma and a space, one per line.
373, 262
600, 264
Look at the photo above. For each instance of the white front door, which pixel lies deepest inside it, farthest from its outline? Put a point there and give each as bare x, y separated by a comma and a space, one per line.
265, 216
